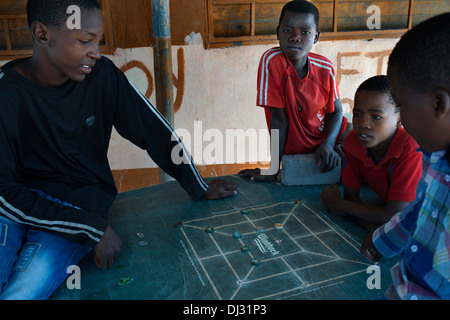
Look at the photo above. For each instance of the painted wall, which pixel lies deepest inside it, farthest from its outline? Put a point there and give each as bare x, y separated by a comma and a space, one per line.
216, 89
215, 95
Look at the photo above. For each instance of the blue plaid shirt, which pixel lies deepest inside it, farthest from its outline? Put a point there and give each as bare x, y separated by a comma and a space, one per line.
421, 233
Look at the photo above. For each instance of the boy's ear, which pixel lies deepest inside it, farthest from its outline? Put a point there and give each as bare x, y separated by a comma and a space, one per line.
40, 34
317, 37
441, 102
399, 121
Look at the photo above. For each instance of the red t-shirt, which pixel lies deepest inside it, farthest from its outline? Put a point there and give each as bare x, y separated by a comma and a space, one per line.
395, 177
306, 100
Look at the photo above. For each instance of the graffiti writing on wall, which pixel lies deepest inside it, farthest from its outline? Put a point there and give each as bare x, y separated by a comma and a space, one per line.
178, 80
379, 56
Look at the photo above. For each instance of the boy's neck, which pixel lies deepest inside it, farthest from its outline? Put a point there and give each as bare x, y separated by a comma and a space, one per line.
301, 67
379, 151
33, 70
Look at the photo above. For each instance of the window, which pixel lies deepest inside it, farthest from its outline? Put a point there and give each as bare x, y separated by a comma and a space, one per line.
239, 22
15, 38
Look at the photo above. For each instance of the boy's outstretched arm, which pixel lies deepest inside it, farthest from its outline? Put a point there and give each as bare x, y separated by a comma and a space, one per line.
278, 121
137, 120
326, 157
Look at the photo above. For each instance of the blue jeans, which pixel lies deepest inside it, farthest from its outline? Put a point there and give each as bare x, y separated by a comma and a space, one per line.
33, 263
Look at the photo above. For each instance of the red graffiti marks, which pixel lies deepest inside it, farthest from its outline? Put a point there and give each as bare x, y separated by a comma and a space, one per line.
138, 64
341, 70
178, 82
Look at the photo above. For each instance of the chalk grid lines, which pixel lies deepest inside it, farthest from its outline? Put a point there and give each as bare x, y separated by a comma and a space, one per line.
296, 264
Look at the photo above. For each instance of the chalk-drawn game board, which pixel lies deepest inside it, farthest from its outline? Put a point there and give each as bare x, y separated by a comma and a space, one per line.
315, 255
308, 253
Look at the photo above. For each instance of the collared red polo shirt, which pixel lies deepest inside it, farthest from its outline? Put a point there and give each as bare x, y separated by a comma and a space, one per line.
395, 177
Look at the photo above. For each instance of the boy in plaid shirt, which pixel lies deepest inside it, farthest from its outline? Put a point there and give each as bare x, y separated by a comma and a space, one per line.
418, 74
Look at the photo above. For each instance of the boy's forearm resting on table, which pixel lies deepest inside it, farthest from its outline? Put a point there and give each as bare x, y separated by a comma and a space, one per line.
280, 122
374, 214
333, 122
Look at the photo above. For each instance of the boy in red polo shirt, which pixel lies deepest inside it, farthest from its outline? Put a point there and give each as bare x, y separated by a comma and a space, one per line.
380, 152
299, 93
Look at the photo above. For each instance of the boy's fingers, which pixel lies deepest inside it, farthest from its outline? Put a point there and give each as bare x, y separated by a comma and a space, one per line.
250, 172
231, 185
229, 193
318, 159
264, 178
100, 263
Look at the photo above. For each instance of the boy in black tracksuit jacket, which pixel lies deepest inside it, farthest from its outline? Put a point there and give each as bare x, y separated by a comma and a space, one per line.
56, 140
57, 113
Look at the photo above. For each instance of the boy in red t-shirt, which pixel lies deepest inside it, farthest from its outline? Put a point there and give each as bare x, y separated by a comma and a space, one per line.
380, 152
299, 93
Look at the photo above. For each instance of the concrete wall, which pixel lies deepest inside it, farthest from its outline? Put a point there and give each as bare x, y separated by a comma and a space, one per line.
215, 96
219, 92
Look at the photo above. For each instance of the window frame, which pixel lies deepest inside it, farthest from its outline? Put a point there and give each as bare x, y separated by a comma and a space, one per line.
10, 53
252, 39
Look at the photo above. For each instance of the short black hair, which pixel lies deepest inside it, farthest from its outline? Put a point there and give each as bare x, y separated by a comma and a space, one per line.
379, 84
54, 12
301, 6
421, 57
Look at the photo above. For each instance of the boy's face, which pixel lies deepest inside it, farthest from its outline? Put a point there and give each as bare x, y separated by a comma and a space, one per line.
374, 119
72, 53
420, 114
297, 34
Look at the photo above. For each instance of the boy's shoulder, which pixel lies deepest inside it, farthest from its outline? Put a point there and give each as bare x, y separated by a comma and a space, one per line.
319, 58
104, 64
9, 79
273, 55
272, 52
404, 141
321, 65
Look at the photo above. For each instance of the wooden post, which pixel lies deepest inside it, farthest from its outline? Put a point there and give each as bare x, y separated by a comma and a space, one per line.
162, 56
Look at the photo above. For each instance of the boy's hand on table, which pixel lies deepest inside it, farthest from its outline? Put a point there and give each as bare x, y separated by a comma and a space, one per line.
331, 196
326, 158
369, 250
219, 189
107, 249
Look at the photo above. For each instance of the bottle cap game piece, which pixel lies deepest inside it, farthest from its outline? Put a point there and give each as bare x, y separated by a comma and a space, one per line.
256, 262
209, 229
124, 281
245, 211
237, 234
178, 224
298, 201
278, 226
259, 229
245, 248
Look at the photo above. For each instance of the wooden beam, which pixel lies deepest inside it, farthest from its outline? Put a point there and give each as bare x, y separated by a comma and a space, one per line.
410, 14
162, 56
